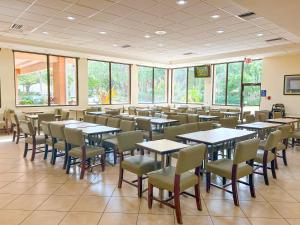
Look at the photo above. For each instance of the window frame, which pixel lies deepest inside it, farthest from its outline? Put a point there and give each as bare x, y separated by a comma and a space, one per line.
226, 88
48, 79
153, 95
110, 86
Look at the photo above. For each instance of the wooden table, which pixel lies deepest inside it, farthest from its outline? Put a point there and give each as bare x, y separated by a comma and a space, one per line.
231, 114
32, 112
262, 128
161, 123
96, 113
81, 125
36, 116
65, 122
283, 120
208, 117
93, 130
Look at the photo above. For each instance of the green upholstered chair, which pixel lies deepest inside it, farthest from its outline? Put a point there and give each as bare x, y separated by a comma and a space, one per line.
65, 115
177, 179
48, 137
250, 118
59, 143
77, 149
89, 118
137, 164
267, 154
283, 144
44, 117
146, 127
193, 118
203, 126
240, 166
229, 122
190, 127
171, 132
31, 138
102, 120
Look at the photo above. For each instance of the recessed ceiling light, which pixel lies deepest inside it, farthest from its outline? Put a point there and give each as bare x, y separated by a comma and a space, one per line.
181, 2
160, 45
207, 44
160, 32
215, 16
220, 31
71, 18
102, 32
45, 32
147, 36
115, 45
259, 35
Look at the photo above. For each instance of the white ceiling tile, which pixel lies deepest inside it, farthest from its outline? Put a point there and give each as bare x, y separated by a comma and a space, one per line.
81, 10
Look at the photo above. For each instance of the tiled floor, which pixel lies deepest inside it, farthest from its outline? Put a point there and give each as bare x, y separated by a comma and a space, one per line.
35, 193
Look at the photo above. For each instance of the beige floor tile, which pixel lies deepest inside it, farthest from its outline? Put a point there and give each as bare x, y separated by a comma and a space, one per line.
55, 179
230, 221
91, 204
59, 203
123, 205
287, 210
16, 188
259, 209
223, 208
151, 219
10, 176
118, 219
294, 221
71, 189
268, 221
127, 190
81, 218
196, 220
13, 217
6, 198
44, 217
27, 202
100, 189
43, 189
155, 208
275, 194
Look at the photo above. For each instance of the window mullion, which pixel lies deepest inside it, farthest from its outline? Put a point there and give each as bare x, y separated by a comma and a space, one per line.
48, 79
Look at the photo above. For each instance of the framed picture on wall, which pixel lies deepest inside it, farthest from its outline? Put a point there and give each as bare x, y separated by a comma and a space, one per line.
291, 85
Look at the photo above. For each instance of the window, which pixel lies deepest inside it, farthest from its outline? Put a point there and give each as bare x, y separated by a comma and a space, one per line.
40, 85
228, 80
152, 83
108, 83
186, 88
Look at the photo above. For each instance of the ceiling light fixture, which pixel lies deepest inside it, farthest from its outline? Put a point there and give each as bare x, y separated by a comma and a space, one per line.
181, 2
102, 32
220, 31
259, 35
160, 32
45, 32
115, 45
160, 45
215, 16
71, 18
147, 36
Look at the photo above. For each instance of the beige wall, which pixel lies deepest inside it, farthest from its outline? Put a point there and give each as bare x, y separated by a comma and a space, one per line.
274, 69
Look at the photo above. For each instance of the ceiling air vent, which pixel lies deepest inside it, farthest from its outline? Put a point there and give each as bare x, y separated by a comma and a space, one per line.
275, 39
17, 27
188, 53
248, 16
125, 46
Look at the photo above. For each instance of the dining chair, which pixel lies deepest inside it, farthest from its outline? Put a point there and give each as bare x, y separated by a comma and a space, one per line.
31, 138
262, 117
165, 109
131, 110
267, 154
72, 115
295, 135
171, 132
193, 118
240, 166
229, 122
89, 118
181, 118
277, 115
80, 114
113, 122
48, 138
203, 126
178, 179
190, 127
65, 115
44, 117
58, 111
16, 128
143, 113
139, 165
102, 120
283, 144
250, 118
77, 149
146, 127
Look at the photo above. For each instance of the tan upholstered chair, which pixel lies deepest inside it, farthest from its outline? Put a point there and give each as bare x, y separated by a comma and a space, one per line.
262, 117
146, 127
113, 122
171, 132
16, 127
229, 122
65, 115
47, 117
102, 120
137, 164
267, 154
89, 118
190, 127
182, 118
250, 118
177, 179
72, 115
77, 149
240, 166
295, 135
58, 111
165, 109
193, 118
202, 112
48, 138
277, 115
131, 110
143, 113
80, 114
31, 138
203, 126
283, 144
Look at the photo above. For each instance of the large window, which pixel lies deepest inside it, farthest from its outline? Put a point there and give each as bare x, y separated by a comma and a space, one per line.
44, 80
152, 83
229, 78
108, 83
186, 88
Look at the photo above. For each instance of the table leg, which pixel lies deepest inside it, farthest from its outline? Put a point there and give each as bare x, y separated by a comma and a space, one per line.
161, 191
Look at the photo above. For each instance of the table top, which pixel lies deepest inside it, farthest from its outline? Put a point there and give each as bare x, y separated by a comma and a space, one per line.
231, 113
162, 146
35, 116
99, 130
258, 125
32, 112
293, 116
162, 121
216, 136
283, 120
96, 113
65, 122
208, 117
81, 125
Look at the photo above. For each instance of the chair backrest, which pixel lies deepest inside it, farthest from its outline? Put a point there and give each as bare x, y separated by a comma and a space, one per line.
127, 140
127, 125
143, 124
89, 118
230, 122
165, 109
182, 118
57, 131
250, 118
143, 113
190, 127
45, 117
277, 115
245, 151
113, 112
14, 119
65, 115
286, 130
272, 140
72, 115
102, 120
182, 109
46, 128
245, 113
131, 110
262, 117
171, 132
217, 113
202, 112
113, 122
203, 126
74, 136
190, 158
58, 111
27, 127
80, 114
193, 118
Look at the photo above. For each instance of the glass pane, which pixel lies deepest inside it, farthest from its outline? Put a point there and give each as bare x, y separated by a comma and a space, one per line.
63, 87
179, 85
220, 84
234, 83
98, 82
145, 79
252, 72
251, 95
120, 83
31, 79
196, 88
160, 85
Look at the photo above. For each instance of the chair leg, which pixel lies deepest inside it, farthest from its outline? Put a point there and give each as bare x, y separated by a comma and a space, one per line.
33, 151
197, 197
25, 150
14, 136
235, 192
208, 175
83, 167
65, 159
150, 196
103, 162
223, 180
46, 152
68, 164
265, 172
251, 185
121, 174
273, 168
140, 186
177, 205
115, 156
284, 157
54, 155
18, 137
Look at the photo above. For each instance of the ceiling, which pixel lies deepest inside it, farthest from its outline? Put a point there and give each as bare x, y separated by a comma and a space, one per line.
190, 28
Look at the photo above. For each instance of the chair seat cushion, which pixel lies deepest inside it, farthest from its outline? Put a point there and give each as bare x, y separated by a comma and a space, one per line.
140, 164
281, 147
40, 139
155, 135
260, 156
60, 145
90, 152
296, 134
112, 141
164, 179
223, 168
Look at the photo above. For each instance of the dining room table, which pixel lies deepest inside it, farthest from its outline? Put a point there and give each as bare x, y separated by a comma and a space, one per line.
261, 128
204, 118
